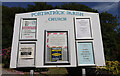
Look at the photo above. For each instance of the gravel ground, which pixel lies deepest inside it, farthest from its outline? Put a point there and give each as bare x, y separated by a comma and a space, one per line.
7, 72
12, 72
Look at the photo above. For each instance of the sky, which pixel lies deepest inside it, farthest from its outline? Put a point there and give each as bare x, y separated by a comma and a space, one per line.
110, 7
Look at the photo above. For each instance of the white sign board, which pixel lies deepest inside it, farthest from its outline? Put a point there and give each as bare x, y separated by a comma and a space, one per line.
54, 38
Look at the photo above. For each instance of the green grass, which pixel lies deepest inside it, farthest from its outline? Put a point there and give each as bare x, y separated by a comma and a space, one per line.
57, 71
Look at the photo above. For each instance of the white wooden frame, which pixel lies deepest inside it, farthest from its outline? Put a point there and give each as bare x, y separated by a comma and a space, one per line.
68, 52
21, 22
85, 41
90, 23
18, 54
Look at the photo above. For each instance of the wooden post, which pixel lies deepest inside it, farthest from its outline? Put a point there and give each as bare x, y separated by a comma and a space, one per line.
31, 72
83, 72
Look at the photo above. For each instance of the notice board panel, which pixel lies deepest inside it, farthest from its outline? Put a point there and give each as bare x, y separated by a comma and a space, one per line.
56, 47
85, 54
26, 54
83, 28
28, 28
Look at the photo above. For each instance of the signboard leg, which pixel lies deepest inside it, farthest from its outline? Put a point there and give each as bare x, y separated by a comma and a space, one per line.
31, 72
83, 72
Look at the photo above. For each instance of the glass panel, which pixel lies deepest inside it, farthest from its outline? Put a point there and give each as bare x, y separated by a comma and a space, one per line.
85, 53
28, 29
56, 47
26, 50
83, 28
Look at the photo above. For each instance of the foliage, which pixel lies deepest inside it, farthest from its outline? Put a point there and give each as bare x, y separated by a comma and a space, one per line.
8, 15
111, 66
111, 37
6, 56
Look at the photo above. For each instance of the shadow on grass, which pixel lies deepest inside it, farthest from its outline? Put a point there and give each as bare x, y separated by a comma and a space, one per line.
74, 71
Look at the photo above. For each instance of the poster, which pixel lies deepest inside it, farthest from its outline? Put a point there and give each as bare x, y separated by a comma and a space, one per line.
85, 53
28, 29
83, 28
26, 50
56, 54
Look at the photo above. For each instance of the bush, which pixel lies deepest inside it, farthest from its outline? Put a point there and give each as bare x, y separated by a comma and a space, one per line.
112, 67
6, 57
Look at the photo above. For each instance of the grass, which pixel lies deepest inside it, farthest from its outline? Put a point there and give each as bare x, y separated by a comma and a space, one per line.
57, 71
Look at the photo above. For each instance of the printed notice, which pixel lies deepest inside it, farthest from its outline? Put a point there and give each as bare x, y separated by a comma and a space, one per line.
83, 28
57, 39
28, 29
85, 53
26, 50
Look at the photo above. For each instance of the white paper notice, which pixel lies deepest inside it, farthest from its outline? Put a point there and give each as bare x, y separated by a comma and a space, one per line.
83, 28
28, 29
57, 39
26, 50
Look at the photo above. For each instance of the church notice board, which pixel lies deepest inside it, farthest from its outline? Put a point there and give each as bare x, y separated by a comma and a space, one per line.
57, 38
56, 47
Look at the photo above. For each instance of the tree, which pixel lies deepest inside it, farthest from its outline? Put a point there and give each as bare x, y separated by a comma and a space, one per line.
8, 15
109, 25
110, 36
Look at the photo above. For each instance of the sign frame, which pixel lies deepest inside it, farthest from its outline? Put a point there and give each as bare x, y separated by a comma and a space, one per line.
75, 27
45, 48
85, 41
34, 57
20, 30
